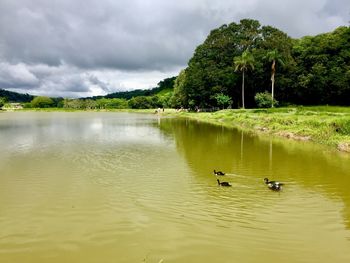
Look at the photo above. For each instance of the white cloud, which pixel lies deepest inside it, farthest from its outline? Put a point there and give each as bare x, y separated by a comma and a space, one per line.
72, 82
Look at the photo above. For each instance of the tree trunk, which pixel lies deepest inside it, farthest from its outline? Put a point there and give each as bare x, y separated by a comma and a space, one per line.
273, 70
272, 88
243, 90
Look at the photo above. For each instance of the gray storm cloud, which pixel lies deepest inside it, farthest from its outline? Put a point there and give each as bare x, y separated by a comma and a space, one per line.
85, 47
17, 76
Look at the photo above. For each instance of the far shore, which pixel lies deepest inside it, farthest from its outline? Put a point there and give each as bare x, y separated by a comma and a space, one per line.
326, 125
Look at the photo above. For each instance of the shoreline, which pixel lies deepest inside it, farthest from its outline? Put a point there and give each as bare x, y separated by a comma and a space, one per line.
323, 125
325, 128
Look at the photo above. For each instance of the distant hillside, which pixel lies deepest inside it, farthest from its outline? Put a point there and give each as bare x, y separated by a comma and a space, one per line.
163, 87
15, 97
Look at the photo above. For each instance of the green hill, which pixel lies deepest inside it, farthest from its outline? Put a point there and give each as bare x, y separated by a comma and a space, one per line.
163, 88
15, 96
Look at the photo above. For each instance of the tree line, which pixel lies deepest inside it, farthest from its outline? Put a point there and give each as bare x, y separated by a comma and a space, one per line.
139, 102
158, 97
254, 65
15, 96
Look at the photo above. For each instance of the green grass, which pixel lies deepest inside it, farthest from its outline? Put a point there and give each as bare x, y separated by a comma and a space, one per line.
334, 109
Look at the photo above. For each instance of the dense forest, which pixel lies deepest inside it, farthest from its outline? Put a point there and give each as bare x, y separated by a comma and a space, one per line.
240, 65
14, 96
308, 71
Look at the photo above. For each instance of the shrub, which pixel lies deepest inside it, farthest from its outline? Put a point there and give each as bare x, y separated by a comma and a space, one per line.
2, 102
264, 100
144, 102
27, 105
42, 102
223, 100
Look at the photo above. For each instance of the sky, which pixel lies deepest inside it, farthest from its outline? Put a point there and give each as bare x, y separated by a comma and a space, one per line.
81, 48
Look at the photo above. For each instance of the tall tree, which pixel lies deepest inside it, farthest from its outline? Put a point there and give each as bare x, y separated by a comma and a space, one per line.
243, 63
2, 102
178, 98
273, 57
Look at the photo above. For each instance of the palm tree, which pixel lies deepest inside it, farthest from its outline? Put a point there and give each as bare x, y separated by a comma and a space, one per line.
273, 56
243, 63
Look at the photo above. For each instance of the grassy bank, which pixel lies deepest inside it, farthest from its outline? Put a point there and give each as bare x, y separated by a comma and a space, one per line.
324, 125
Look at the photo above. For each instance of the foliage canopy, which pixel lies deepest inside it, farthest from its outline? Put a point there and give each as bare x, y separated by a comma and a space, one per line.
42, 102
310, 70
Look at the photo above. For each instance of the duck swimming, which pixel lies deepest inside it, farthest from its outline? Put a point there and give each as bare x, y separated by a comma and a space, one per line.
218, 172
273, 185
223, 183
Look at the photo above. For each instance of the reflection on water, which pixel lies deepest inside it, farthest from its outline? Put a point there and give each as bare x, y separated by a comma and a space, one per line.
313, 211
112, 187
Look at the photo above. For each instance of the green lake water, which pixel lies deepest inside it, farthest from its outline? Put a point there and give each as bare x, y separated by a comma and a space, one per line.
121, 187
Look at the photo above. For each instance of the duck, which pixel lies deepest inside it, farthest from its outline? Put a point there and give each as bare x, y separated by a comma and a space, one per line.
223, 183
218, 172
273, 185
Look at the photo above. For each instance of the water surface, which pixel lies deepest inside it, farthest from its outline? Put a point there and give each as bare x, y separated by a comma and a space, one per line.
119, 187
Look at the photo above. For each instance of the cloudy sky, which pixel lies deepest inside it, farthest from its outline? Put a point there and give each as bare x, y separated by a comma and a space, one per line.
78, 48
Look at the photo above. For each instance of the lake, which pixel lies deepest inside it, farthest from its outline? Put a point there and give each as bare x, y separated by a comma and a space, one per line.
123, 187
